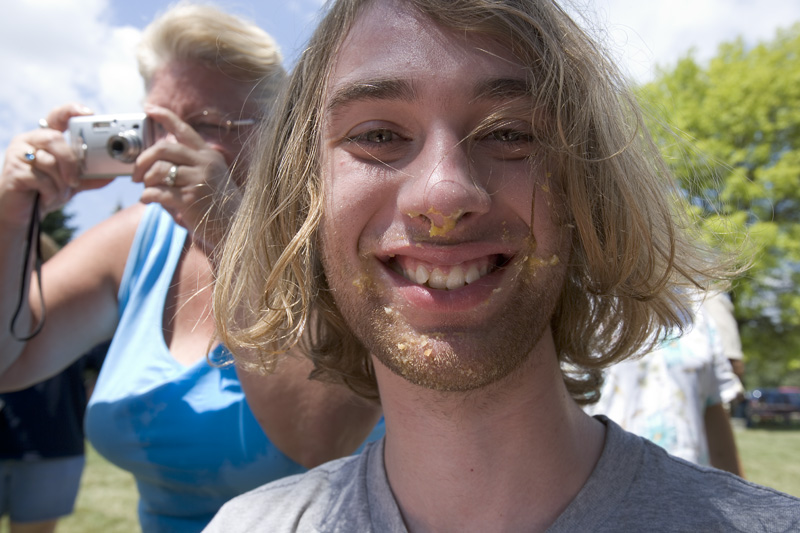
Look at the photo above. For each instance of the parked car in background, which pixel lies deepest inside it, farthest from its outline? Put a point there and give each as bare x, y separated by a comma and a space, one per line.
779, 405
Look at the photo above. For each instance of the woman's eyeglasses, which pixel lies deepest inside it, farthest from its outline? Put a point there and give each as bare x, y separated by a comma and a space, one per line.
213, 125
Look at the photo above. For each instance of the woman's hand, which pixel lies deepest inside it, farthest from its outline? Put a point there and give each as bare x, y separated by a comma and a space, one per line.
41, 161
80, 291
189, 177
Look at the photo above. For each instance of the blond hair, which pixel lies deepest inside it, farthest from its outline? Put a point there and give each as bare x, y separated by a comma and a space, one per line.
633, 261
203, 34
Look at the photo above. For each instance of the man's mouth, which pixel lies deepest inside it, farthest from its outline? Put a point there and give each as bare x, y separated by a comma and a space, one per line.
446, 277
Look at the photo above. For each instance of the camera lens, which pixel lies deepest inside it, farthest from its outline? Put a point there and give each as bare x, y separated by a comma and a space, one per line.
125, 146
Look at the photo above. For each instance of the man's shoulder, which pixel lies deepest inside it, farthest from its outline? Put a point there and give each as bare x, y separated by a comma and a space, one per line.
702, 481
637, 486
296, 503
710, 497
703, 498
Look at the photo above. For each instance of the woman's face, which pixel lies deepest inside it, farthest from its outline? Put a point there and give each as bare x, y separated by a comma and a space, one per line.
221, 109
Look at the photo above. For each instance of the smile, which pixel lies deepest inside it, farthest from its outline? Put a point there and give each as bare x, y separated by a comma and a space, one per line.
446, 277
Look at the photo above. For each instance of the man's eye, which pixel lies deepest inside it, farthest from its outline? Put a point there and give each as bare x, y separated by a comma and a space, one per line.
379, 136
510, 136
374, 143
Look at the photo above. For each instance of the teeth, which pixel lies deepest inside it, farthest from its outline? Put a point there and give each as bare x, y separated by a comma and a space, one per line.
438, 279
450, 278
422, 275
473, 274
455, 279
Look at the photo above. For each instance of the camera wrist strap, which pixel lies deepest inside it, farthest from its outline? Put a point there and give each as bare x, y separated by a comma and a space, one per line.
34, 232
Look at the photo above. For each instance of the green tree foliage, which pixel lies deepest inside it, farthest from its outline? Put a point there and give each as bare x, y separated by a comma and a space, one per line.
734, 145
56, 224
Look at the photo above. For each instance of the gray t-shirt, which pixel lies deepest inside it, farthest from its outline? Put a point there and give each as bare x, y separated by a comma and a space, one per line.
636, 486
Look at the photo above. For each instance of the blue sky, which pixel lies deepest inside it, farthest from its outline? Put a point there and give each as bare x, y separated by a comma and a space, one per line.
56, 51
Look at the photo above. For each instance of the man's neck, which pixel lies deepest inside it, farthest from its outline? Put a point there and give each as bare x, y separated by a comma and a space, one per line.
509, 457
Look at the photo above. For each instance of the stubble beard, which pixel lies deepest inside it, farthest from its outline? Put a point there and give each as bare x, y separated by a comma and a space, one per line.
450, 358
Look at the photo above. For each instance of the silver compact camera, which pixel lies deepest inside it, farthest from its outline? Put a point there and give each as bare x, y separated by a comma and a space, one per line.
108, 145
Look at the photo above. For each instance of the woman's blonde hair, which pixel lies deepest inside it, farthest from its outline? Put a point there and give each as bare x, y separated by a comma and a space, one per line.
633, 262
203, 34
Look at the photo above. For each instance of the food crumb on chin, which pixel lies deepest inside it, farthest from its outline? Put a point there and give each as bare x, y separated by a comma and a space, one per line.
361, 283
535, 262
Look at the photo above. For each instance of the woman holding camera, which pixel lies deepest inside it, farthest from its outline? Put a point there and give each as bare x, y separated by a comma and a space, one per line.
163, 408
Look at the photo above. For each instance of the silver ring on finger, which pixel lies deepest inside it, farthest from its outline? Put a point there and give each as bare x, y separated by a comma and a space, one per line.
30, 156
172, 174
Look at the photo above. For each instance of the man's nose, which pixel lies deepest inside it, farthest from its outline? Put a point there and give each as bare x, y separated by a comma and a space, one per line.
444, 189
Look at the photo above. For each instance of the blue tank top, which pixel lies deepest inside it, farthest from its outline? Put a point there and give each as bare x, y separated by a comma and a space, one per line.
185, 433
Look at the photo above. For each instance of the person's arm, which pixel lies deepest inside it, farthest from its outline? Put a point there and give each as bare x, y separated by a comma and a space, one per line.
79, 284
722, 450
310, 421
80, 287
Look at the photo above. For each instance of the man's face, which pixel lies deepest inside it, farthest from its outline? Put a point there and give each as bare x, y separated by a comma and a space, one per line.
428, 238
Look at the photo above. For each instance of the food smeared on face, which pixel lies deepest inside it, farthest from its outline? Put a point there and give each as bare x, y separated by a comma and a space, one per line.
417, 355
448, 222
362, 282
535, 262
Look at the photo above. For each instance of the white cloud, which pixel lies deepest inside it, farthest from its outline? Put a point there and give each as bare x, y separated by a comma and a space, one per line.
659, 32
119, 86
58, 51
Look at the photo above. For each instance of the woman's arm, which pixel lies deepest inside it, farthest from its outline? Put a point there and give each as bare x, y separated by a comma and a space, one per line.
310, 421
79, 284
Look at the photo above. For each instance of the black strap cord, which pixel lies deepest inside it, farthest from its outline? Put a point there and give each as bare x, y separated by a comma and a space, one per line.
34, 233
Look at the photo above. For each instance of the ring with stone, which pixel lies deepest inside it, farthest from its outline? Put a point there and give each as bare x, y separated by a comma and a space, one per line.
43, 123
169, 179
30, 156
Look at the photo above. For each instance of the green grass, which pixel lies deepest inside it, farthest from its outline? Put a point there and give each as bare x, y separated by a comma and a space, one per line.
771, 457
106, 502
108, 498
